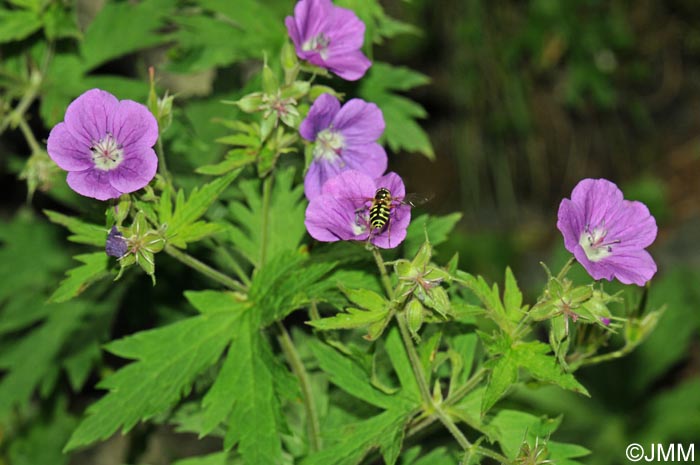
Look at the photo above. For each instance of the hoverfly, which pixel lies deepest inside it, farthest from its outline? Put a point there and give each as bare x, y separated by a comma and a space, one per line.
383, 207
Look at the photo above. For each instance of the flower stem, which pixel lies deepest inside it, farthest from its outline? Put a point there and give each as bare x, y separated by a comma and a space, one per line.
28, 135
162, 164
414, 359
267, 193
205, 269
567, 266
297, 366
382, 272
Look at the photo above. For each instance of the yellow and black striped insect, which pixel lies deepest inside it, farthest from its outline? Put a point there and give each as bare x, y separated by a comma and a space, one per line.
383, 204
380, 211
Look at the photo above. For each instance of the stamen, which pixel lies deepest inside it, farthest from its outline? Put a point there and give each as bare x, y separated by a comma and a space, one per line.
107, 153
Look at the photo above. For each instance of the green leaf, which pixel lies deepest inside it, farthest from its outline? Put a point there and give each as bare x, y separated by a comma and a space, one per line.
349, 376
354, 318
83, 233
265, 232
512, 298
437, 227
504, 374
367, 299
141, 19
402, 132
60, 22
384, 430
286, 283
29, 360
187, 212
168, 360
217, 458
209, 302
244, 393
532, 356
511, 427
17, 24
228, 32
93, 269
402, 366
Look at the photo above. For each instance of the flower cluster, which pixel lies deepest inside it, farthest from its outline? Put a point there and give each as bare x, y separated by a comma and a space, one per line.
105, 144
350, 198
608, 234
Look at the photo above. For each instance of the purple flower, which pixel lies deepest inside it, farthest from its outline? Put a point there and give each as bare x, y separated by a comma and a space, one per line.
341, 212
608, 234
605, 321
105, 145
330, 37
345, 138
116, 245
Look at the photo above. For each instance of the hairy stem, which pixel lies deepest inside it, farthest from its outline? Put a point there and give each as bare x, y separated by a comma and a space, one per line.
28, 135
382, 272
312, 422
416, 365
205, 269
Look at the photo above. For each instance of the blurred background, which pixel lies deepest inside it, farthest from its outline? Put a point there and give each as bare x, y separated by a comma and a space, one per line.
525, 98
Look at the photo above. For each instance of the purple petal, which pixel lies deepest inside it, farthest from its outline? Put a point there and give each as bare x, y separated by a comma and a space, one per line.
571, 223
632, 225
134, 124
359, 122
636, 267
352, 185
137, 169
350, 66
319, 117
311, 17
395, 231
598, 198
370, 159
294, 33
69, 153
394, 183
331, 219
92, 183
319, 172
345, 30
89, 117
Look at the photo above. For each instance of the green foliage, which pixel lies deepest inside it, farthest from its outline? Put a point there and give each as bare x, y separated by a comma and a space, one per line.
167, 361
264, 215
182, 223
93, 269
402, 131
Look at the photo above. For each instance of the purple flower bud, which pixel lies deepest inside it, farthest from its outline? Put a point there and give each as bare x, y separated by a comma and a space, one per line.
608, 234
105, 144
605, 321
116, 244
345, 139
342, 211
329, 36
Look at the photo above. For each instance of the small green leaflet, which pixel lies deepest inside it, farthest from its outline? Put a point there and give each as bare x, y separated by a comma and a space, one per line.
384, 431
182, 224
349, 376
18, 24
400, 113
93, 268
438, 229
168, 360
82, 233
533, 357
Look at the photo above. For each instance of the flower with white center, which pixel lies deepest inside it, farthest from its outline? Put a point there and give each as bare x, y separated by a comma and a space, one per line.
345, 138
106, 145
607, 234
